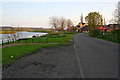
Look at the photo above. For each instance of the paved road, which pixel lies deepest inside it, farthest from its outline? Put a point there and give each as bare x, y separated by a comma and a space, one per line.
86, 58
97, 58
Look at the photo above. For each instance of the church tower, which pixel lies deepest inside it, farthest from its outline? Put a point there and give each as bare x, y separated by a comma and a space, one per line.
81, 18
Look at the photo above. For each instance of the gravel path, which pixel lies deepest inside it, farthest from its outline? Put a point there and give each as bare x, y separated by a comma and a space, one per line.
54, 62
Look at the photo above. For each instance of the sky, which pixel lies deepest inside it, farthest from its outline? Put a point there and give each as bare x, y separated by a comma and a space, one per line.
36, 13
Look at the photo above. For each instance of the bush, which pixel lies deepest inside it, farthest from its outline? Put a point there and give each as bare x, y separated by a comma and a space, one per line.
95, 32
113, 36
70, 32
55, 35
115, 31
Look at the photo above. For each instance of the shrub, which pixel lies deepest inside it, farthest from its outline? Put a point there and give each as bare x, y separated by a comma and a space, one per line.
116, 35
113, 36
54, 33
95, 32
70, 32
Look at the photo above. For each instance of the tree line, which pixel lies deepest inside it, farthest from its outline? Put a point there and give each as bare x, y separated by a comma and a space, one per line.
94, 19
116, 15
60, 23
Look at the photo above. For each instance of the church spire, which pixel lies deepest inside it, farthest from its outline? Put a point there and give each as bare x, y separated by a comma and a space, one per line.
81, 18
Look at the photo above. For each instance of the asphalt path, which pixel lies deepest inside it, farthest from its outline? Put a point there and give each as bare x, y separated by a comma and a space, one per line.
96, 58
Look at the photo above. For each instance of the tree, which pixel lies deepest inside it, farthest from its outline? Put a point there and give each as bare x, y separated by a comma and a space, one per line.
119, 12
62, 23
116, 15
94, 20
69, 24
54, 22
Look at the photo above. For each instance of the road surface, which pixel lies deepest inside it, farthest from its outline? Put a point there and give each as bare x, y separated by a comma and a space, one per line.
97, 58
87, 57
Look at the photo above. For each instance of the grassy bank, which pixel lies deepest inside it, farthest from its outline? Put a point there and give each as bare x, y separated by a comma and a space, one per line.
51, 38
10, 54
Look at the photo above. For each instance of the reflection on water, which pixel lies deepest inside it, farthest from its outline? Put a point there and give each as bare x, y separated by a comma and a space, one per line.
19, 35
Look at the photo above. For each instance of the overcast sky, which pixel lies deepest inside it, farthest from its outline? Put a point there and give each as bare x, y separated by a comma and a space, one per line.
38, 12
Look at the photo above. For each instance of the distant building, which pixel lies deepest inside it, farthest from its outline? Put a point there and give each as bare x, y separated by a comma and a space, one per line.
80, 25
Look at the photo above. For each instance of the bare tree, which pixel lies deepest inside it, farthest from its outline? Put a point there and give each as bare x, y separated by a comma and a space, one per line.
54, 22
69, 24
118, 12
116, 15
62, 23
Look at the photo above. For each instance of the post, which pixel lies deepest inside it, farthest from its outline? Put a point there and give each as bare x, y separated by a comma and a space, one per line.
8, 41
2, 42
13, 40
46, 40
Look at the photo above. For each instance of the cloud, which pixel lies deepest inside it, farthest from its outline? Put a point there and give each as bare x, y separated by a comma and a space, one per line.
59, 0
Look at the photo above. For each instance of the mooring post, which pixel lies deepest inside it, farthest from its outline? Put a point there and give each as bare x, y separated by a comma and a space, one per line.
8, 41
46, 40
13, 40
2, 42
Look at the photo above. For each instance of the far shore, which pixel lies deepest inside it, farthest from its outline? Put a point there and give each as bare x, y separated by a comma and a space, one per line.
7, 32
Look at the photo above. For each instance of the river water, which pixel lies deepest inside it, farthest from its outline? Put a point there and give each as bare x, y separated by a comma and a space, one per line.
19, 35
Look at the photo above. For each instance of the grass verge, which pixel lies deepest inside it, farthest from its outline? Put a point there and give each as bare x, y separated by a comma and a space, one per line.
64, 39
10, 54
110, 40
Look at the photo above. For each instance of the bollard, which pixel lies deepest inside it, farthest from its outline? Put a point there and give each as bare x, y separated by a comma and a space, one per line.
46, 40
8, 41
13, 40
2, 42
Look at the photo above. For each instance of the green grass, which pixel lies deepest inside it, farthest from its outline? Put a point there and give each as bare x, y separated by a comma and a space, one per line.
108, 39
21, 50
51, 39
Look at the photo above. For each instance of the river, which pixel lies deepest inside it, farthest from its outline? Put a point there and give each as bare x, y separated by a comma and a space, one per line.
19, 35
